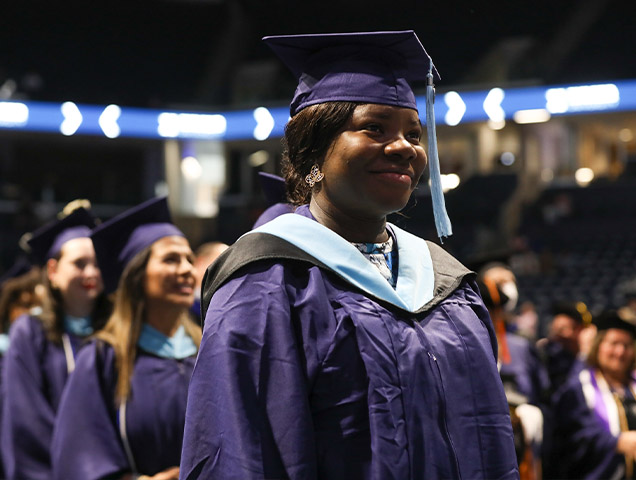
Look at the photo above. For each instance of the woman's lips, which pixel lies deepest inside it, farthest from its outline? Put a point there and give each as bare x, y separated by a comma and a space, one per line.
396, 177
184, 289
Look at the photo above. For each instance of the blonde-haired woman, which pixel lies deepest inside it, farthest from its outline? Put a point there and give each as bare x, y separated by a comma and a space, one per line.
135, 374
43, 347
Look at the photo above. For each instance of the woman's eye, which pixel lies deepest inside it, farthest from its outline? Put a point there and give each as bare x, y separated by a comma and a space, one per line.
417, 136
80, 264
373, 127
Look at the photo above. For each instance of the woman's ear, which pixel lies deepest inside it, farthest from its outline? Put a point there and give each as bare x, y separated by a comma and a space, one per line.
51, 270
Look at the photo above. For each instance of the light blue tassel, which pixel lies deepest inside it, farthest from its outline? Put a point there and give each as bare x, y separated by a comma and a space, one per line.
442, 222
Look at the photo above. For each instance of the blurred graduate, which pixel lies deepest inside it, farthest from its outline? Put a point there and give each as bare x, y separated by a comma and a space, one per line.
43, 348
122, 413
335, 344
595, 410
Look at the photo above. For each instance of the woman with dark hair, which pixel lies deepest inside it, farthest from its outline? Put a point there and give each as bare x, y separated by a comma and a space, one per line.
43, 348
135, 374
595, 410
20, 295
335, 344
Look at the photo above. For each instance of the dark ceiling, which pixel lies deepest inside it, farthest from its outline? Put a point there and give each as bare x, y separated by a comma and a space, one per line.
208, 53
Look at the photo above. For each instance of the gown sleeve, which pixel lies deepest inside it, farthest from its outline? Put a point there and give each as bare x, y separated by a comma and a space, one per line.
248, 413
27, 415
86, 443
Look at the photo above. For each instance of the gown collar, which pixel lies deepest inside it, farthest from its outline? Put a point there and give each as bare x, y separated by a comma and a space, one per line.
78, 326
415, 280
179, 346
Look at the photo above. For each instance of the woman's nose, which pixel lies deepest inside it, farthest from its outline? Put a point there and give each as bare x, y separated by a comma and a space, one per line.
186, 267
400, 147
92, 270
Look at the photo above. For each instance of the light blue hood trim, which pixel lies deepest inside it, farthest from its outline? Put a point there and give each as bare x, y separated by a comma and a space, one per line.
415, 280
179, 346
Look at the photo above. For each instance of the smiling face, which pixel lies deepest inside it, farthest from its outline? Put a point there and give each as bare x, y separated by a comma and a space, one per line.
76, 275
374, 163
616, 353
169, 275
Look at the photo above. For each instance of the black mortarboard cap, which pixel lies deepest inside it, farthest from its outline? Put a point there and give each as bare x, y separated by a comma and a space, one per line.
611, 319
119, 239
575, 310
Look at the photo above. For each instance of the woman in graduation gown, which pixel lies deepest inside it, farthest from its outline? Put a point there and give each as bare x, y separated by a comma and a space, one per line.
595, 410
336, 345
123, 411
43, 348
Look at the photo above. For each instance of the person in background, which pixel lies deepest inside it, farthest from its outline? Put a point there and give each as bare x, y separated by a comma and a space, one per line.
595, 410
204, 255
20, 295
273, 188
43, 348
123, 410
524, 377
335, 344
560, 351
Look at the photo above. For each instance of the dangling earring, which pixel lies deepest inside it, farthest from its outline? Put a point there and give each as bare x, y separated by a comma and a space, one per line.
315, 175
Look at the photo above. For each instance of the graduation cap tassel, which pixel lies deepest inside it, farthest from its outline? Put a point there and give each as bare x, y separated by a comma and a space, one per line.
442, 222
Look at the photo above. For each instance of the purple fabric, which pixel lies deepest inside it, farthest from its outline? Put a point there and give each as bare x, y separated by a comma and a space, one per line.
145, 235
299, 377
65, 236
34, 374
86, 442
273, 188
583, 447
525, 369
366, 67
272, 212
47, 241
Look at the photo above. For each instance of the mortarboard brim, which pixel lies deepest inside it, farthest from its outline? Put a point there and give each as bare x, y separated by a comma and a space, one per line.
273, 188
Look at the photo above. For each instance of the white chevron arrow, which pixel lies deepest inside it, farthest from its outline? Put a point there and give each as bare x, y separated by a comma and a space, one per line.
456, 108
108, 121
72, 118
264, 123
492, 105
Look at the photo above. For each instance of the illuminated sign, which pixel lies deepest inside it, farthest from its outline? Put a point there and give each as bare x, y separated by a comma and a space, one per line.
497, 105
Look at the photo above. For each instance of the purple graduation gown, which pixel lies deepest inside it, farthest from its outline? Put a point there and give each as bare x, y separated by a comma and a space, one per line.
34, 374
87, 444
584, 448
300, 375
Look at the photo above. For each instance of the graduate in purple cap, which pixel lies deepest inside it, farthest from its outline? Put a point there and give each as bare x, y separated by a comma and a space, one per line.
336, 345
273, 187
43, 348
595, 410
123, 411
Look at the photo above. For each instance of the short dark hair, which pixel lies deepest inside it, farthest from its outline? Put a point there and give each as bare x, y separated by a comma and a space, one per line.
308, 136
